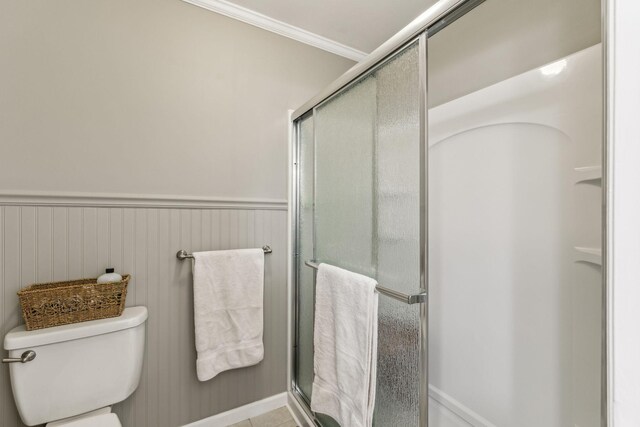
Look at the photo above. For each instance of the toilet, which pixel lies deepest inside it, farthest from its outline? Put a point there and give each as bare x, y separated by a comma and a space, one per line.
79, 370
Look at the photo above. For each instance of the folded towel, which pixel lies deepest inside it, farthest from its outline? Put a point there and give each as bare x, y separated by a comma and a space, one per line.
345, 346
227, 298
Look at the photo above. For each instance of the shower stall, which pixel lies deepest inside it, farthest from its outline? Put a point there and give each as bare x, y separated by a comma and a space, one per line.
475, 200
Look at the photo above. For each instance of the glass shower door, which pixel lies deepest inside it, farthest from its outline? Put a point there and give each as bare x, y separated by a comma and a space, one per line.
359, 208
305, 280
516, 290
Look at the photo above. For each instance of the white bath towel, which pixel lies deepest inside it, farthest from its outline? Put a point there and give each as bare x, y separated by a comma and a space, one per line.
345, 346
228, 291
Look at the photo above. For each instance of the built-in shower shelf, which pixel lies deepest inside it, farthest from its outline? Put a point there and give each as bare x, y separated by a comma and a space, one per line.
590, 255
587, 173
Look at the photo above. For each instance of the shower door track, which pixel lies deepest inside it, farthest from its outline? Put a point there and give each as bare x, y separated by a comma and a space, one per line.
434, 19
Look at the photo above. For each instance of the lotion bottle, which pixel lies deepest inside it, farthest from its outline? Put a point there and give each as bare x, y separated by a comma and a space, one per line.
109, 276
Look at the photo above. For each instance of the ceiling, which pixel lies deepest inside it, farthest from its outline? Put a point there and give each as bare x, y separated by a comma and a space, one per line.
359, 24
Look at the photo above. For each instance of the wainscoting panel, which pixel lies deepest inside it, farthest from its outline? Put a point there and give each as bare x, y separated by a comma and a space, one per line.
47, 243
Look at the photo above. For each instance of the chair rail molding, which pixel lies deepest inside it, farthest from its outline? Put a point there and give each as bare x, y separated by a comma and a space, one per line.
124, 200
282, 28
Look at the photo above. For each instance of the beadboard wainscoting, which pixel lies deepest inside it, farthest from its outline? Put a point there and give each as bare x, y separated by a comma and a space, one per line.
44, 243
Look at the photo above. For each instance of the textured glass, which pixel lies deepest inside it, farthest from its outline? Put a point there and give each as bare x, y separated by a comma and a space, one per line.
304, 354
344, 211
367, 217
397, 239
345, 135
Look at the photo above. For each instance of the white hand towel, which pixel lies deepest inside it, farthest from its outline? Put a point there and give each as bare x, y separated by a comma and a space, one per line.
345, 346
227, 294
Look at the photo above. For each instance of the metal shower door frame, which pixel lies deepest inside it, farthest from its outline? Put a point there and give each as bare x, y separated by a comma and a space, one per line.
434, 19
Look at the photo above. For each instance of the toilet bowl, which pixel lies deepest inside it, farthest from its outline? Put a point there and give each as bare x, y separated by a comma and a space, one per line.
78, 371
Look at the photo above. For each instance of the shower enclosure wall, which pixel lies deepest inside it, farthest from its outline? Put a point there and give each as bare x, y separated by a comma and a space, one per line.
488, 203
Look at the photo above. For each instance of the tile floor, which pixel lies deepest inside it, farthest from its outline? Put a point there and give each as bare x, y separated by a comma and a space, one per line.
280, 417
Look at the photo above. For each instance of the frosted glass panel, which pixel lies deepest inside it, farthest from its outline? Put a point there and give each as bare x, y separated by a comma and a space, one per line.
345, 136
345, 132
397, 190
367, 213
397, 185
304, 362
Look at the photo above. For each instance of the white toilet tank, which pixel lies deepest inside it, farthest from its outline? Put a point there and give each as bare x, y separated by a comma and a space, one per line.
78, 368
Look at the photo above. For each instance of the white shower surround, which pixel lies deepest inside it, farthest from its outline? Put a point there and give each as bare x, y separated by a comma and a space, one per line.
497, 345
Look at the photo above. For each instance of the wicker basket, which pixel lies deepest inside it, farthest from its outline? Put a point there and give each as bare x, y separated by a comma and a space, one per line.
53, 304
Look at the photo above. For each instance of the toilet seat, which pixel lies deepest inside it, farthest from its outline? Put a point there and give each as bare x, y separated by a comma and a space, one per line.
103, 420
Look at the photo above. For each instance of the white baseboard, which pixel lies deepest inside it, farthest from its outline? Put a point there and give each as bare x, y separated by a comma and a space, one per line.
286, 399
458, 408
243, 412
298, 413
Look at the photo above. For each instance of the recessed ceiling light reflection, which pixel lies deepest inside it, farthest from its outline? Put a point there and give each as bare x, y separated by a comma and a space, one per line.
554, 68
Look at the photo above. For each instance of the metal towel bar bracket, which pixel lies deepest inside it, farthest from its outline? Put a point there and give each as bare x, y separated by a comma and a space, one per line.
182, 254
405, 298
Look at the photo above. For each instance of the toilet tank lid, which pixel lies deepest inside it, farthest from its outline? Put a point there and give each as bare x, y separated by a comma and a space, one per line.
19, 338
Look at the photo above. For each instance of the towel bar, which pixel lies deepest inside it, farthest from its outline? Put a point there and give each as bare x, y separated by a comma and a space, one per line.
407, 299
182, 254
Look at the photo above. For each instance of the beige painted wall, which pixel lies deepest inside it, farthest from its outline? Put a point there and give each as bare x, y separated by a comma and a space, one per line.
148, 97
503, 38
151, 97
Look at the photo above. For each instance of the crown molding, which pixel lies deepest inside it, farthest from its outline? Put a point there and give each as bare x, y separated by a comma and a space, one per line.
123, 200
266, 23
